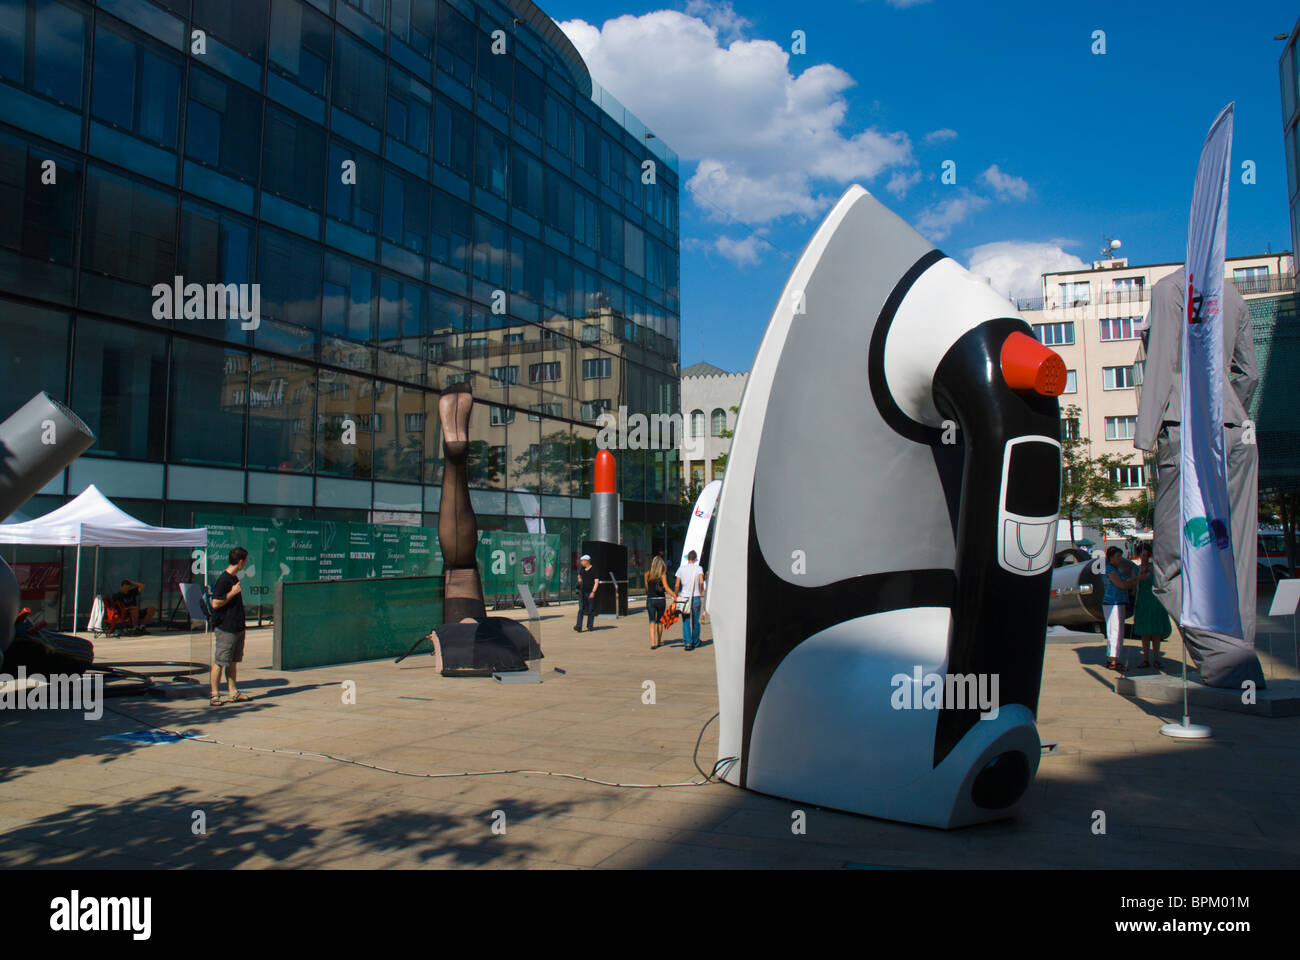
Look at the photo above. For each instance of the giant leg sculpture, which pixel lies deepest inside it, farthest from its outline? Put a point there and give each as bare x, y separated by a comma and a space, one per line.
457, 525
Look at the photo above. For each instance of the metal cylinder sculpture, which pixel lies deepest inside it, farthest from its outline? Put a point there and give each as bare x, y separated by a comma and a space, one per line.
882, 558
36, 442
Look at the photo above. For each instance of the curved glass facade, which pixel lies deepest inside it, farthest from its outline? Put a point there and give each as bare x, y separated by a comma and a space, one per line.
417, 191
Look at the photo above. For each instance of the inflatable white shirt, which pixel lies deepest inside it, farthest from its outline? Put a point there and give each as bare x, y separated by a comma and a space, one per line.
887, 519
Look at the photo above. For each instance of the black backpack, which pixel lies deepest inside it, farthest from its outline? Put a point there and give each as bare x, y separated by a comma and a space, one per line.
205, 605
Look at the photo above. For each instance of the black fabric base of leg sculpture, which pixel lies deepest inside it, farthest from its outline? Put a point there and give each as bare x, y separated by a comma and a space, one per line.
487, 646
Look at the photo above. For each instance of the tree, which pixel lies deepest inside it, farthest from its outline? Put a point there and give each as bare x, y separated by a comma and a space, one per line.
1089, 491
720, 461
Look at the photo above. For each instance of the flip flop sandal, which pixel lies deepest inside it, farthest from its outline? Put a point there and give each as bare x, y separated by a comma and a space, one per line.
216, 702
242, 698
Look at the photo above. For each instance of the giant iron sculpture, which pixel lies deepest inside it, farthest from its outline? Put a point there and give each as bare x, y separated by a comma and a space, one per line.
889, 510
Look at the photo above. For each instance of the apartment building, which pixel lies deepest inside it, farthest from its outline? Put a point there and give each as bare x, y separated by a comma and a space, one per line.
1095, 319
708, 394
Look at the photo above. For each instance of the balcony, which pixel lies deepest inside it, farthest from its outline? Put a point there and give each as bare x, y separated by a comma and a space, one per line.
1266, 285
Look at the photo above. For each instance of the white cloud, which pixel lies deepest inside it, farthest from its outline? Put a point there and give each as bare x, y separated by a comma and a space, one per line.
936, 222
769, 142
1005, 185
939, 136
901, 182
1015, 268
743, 253
722, 16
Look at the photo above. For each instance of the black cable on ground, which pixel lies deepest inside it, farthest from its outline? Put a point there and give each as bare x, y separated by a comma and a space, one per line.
708, 778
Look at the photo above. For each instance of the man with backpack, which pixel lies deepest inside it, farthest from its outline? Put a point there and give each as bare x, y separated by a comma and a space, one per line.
228, 625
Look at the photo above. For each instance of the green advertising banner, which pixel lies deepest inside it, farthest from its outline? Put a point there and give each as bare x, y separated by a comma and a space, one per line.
508, 558
304, 550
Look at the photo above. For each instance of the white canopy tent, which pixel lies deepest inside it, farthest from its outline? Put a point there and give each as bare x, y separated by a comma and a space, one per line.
95, 521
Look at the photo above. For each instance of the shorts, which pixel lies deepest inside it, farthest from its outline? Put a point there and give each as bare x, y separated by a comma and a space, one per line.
654, 608
230, 647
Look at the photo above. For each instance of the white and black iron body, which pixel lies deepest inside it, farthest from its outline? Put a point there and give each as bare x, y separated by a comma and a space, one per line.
889, 510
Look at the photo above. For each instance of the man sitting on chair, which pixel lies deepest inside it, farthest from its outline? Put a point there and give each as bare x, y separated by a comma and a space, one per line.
129, 597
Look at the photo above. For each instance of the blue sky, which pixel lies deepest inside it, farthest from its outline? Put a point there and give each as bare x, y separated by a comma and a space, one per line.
1055, 146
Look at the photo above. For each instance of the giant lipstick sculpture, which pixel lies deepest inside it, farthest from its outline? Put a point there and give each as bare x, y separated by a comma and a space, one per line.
608, 555
882, 558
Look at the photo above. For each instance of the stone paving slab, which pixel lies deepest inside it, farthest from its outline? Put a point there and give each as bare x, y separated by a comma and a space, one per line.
70, 798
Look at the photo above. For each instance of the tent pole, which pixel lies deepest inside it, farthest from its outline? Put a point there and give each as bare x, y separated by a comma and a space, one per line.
76, 588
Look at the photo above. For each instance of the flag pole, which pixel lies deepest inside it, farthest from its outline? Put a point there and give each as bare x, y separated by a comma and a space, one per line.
1186, 730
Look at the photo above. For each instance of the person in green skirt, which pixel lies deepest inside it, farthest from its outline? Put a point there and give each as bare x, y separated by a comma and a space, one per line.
1150, 621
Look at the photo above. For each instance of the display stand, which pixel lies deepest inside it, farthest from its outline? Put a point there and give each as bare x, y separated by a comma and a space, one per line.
534, 672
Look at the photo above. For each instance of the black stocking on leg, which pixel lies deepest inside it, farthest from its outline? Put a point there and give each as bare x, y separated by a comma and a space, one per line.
457, 525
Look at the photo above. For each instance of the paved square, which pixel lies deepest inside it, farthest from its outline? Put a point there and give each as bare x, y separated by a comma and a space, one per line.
71, 797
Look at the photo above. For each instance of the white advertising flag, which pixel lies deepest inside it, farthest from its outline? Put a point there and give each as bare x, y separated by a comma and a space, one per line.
698, 528
1208, 574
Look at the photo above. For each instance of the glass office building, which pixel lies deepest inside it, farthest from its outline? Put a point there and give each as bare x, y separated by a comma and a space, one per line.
419, 192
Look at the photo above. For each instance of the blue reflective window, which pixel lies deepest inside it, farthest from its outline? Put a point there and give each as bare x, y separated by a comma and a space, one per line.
559, 123
456, 42
41, 219
210, 385
223, 125
289, 270
526, 185
451, 230
374, 9
447, 313
586, 146
584, 219
301, 44
215, 247
349, 298
611, 234
527, 267
49, 59
356, 203
558, 282
529, 100
119, 387
489, 250
358, 79
453, 137
410, 110
414, 21
401, 311
494, 69
559, 202
136, 88
118, 207
293, 155
491, 162
406, 211
240, 24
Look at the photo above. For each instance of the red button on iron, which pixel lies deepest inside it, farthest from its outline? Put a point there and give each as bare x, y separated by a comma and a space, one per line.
1028, 365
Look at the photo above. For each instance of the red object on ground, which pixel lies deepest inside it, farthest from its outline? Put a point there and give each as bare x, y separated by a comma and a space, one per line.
604, 480
1028, 365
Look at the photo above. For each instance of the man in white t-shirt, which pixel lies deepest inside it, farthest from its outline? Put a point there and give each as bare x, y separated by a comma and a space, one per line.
690, 587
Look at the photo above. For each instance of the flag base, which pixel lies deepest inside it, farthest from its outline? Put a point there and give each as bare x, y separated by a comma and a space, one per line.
1187, 730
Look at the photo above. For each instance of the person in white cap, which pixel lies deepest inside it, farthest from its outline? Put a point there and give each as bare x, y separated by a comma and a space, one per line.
586, 592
